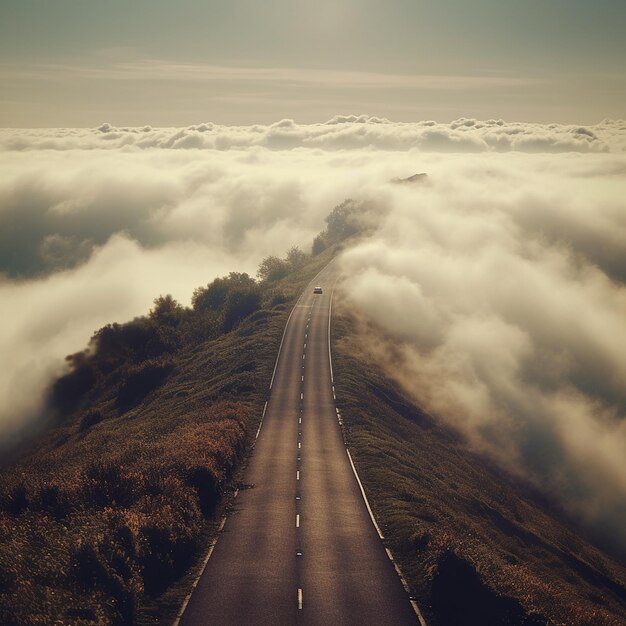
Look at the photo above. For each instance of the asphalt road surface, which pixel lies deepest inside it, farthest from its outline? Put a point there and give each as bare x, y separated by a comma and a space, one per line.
300, 547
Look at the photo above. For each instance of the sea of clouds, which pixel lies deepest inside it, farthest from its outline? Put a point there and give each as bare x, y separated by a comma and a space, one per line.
494, 290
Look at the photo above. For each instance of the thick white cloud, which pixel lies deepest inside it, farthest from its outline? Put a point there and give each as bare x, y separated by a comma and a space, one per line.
501, 285
340, 132
499, 279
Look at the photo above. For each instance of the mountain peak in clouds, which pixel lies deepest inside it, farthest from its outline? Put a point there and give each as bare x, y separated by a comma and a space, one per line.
416, 178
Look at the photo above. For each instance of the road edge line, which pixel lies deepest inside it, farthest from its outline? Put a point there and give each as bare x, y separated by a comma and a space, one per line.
367, 504
403, 580
183, 607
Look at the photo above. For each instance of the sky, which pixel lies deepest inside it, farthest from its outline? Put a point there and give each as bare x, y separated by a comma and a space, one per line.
132, 62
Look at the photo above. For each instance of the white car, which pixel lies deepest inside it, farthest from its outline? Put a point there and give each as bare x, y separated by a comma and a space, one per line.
317, 290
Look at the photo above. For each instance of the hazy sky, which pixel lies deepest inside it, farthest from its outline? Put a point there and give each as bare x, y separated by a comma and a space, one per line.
134, 62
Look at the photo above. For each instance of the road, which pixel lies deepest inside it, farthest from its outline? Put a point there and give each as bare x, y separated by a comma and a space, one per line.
300, 547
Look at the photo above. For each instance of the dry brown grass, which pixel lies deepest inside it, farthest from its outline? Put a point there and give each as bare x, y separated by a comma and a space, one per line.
104, 518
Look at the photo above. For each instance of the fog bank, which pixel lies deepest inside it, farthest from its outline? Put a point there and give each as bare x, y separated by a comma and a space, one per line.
494, 288
498, 298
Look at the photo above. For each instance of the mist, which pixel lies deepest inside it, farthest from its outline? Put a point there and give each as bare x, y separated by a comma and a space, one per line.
495, 295
494, 290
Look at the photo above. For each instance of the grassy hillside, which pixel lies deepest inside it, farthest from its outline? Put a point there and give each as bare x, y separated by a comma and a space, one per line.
106, 517
478, 546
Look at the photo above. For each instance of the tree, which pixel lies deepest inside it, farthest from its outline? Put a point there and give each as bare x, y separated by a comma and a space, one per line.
272, 268
342, 221
166, 311
320, 243
213, 296
241, 302
295, 258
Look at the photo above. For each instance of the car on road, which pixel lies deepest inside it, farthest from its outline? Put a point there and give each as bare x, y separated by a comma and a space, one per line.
317, 290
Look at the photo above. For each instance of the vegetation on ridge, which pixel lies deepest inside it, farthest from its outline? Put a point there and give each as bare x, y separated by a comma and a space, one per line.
104, 519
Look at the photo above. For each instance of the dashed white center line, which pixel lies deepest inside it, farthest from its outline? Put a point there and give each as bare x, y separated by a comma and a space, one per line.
304, 356
299, 599
299, 445
299, 420
297, 520
303, 378
302, 396
297, 474
305, 346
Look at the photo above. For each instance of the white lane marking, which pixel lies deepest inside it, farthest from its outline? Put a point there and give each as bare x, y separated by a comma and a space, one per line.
367, 504
330, 313
302, 396
303, 357
299, 599
299, 420
297, 474
261, 422
305, 346
302, 378
402, 579
305, 335
420, 617
297, 520
299, 445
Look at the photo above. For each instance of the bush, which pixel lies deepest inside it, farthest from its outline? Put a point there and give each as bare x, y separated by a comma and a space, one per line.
272, 269
137, 341
91, 418
273, 298
239, 304
213, 297
94, 570
139, 380
167, 312
68, 391
108, 485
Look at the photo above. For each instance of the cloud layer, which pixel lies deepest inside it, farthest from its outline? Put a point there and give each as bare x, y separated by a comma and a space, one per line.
496, 286
342, 132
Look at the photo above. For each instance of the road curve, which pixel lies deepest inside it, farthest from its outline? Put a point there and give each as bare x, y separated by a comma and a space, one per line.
300, 547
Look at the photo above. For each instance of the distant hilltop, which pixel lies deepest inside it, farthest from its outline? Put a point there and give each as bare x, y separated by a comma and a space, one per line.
416, 178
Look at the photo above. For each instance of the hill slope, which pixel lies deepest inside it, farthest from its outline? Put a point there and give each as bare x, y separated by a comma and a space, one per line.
477, 546
105, 517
